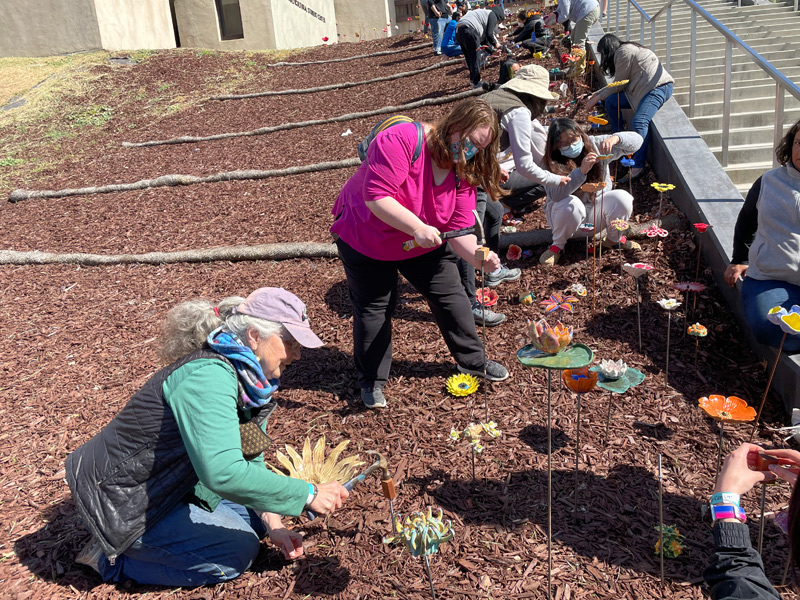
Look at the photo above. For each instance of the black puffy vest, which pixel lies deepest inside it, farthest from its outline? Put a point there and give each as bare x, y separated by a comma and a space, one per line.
136, 469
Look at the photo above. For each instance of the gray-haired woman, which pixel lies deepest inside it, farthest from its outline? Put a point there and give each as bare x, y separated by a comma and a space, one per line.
169, 489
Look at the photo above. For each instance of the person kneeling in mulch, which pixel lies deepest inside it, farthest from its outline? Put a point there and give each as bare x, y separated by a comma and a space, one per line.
174, 489
416, 185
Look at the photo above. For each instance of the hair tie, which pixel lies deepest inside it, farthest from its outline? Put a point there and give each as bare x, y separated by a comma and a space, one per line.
216, 311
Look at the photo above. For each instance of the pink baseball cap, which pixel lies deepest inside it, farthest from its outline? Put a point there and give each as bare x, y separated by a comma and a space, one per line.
280, 306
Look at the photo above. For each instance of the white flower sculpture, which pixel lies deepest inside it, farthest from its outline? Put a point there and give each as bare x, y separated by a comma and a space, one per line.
612, 369
669, 303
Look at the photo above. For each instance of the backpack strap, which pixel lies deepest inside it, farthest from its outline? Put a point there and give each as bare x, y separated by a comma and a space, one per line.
418, 149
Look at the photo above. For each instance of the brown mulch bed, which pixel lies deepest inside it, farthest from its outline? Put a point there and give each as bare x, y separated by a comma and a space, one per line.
80, 341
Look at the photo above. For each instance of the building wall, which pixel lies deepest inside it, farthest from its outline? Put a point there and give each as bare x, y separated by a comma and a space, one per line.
48, 27
367, 19
134, 24
302, 23
267, 24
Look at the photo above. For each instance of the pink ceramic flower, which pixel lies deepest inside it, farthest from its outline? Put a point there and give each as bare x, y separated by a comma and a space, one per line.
637, 269
514, 252
689, 286
655, 230
701, 227
486, 296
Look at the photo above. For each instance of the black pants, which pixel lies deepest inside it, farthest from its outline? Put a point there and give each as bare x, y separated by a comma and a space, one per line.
520, 199
491, 214
470, 41
373, 292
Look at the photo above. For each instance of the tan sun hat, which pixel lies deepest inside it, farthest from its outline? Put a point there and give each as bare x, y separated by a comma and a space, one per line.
533, 80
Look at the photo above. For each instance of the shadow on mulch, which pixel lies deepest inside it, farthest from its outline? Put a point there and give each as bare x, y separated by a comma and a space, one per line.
337, 298
535, 436
49, 553
616, 519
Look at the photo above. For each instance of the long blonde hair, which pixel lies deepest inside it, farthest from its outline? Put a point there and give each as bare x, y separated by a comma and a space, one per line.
482, 170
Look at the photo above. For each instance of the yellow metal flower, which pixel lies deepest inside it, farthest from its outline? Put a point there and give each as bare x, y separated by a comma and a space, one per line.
422, 533
618, 83
662, 187
313, 467
462, 384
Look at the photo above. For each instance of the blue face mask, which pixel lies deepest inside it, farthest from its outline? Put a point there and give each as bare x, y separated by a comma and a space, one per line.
573, 150
469, 149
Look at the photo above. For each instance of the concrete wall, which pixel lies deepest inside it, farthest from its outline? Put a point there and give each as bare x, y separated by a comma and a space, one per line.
367, 19
134, 24
48, 27
267, 24
301, 23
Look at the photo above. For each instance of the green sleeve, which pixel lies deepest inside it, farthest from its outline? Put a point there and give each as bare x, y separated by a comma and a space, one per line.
202, 395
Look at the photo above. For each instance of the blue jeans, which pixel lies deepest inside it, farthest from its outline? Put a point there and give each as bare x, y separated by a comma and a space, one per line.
191, 546
437, 30
758, 297
645, 112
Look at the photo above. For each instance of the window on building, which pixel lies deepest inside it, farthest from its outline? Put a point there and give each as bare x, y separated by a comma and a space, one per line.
230, 19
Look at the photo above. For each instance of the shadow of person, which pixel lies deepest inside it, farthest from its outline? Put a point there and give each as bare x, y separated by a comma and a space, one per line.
535, 436
313, 575
337, 298
616, 519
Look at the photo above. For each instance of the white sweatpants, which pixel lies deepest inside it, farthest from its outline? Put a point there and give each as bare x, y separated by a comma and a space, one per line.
567, 215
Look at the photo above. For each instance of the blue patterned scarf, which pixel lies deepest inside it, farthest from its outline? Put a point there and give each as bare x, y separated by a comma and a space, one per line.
257, 391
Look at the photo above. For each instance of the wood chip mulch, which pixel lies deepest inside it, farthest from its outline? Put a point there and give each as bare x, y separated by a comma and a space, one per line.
79, 341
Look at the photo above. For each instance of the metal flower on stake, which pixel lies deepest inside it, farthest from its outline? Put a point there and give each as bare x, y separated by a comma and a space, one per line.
472, 434
636, 270
617, 377
627, 161
669, 542
620, 225
668, 304
580, 381
690, 286
550, 349
701, 229
697, 331
593, 188
422, 534
789, 322
725, 410
661, 188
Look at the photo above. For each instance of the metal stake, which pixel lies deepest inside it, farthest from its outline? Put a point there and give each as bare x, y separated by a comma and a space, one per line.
608, 418
661, 522
638, 313
577, 456
430, 577
666, 368
766, 391
549, 486
763, 522
721, 442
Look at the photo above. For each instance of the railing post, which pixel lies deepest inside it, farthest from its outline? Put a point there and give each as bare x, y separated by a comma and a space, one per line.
641, 29
778, 133
726, 102
653, 37
616, 25
669, 33
692, 63
628, 25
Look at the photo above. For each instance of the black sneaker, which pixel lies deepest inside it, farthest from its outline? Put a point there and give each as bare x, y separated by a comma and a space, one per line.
494, 371
373, 397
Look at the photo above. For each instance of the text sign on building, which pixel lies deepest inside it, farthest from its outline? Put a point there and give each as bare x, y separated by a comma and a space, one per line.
302, 6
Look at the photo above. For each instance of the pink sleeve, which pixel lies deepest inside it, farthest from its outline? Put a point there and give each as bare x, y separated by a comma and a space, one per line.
389, 157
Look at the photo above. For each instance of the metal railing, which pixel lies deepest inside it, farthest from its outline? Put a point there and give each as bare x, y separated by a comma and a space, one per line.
782, 83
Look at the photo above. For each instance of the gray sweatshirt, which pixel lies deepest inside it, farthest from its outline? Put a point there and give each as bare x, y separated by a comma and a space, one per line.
775, 253
629, 142
641, 68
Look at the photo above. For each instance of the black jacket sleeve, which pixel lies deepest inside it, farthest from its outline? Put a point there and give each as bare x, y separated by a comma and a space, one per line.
523, 34
746, 226
488, 34
736, 571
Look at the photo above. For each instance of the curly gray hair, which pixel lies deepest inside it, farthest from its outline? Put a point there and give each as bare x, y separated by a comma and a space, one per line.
188, 324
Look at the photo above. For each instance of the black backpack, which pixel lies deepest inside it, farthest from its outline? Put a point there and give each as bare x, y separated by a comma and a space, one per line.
385, 124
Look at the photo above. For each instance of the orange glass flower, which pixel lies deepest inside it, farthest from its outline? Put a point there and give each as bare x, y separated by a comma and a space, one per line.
593, 187
727, 409
579, 381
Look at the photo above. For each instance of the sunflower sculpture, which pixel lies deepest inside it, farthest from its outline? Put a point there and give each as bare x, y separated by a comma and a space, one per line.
462, 384
313, 467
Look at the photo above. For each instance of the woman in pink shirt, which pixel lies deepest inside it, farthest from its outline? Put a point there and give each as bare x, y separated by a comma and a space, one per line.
393, 198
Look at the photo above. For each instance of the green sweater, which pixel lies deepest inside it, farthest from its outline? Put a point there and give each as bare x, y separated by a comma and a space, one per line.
203, 397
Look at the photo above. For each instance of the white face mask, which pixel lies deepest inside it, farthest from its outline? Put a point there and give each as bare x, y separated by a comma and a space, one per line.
573, 150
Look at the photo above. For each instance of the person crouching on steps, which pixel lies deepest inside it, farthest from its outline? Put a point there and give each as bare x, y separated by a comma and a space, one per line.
570, 151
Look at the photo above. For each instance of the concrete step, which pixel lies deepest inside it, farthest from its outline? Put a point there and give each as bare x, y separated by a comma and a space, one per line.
758, 89
740, 137
738, 155
743, 106
739, 61
739, 71
741, 120
747, 173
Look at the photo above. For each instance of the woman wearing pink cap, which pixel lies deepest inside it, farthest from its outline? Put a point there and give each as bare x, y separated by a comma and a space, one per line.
415, 185
174, 490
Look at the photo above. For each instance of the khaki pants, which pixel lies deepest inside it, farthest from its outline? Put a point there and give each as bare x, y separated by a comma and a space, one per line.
581, 29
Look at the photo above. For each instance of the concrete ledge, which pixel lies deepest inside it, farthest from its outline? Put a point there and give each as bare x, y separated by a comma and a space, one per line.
704, 193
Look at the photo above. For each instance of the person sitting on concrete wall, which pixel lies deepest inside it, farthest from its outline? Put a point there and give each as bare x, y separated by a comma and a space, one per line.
570, 151
648, 87
477, 28
766, 244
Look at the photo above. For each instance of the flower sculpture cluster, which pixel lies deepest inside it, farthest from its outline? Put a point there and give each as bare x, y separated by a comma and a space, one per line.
422, 532
462, 384
558, 302
550, 340
673, 546
473, 433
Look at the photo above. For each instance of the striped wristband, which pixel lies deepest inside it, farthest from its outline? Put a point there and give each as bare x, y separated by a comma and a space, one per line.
725, 511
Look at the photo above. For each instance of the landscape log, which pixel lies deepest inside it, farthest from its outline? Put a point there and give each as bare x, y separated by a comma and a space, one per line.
173, 180
337, 86
284, 126
283, 251
335, 60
